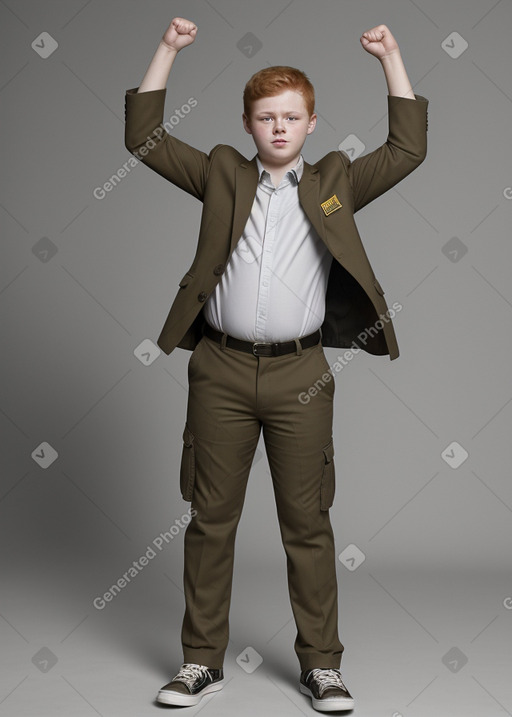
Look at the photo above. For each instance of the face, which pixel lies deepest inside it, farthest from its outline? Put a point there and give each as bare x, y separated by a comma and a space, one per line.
279, 126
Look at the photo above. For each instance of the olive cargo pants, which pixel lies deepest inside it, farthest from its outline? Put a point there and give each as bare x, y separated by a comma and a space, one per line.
232, 394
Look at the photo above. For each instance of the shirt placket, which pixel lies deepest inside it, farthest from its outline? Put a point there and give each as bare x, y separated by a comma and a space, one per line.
267, 259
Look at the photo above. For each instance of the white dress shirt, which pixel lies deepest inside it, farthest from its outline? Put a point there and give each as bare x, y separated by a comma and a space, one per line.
274, 284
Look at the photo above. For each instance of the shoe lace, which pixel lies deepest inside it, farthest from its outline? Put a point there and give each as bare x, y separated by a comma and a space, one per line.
189, 673
328, 678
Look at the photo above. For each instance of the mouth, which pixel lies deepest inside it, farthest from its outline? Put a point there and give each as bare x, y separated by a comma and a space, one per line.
279, 142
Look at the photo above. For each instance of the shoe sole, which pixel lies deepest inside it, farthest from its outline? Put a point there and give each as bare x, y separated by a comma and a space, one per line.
331, 704
167, 697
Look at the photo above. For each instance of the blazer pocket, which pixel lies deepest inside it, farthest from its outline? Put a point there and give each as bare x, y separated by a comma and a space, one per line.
378, 287
188, 277
188, 465
327, 485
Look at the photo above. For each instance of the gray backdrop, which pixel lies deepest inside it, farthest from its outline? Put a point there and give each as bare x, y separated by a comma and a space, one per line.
91, 420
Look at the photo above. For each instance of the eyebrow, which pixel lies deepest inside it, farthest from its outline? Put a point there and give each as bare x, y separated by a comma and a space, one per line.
286, 112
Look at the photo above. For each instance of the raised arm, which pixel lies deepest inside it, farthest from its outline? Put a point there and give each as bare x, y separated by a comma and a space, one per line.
146, 136
405, 148
380, 43
178, 35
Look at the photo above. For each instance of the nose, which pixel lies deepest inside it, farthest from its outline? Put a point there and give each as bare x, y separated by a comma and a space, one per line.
279, 126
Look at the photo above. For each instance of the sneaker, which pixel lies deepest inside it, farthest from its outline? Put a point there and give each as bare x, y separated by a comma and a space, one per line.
326, 689
190, 685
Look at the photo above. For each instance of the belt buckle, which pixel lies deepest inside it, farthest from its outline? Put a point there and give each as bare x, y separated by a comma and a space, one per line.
266, 346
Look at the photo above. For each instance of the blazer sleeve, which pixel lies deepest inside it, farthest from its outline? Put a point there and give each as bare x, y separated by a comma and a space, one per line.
405, 149
148, 141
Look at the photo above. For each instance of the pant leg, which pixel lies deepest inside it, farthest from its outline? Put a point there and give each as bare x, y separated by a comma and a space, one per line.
221, 435
299, 445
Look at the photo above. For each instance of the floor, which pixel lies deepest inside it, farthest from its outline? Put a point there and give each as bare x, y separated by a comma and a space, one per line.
417, 644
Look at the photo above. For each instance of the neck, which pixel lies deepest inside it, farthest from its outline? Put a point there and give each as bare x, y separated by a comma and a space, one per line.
277, 171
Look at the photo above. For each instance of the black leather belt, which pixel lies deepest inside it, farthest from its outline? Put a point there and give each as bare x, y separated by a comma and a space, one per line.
261, 348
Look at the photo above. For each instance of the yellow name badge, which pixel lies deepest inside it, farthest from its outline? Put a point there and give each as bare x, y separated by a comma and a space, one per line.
331, 205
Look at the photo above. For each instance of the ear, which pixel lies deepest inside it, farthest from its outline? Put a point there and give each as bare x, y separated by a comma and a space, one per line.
312, 123
247, 123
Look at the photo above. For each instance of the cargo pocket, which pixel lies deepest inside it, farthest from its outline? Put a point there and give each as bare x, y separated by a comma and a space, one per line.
188, 465
328, 484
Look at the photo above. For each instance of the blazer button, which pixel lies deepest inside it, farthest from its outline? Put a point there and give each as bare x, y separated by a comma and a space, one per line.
202, 296
218, 269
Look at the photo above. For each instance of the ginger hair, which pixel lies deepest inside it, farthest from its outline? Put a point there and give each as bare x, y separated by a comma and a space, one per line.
271, 81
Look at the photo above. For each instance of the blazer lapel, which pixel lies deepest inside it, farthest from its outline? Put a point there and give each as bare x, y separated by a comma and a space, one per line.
246, 182
309, 197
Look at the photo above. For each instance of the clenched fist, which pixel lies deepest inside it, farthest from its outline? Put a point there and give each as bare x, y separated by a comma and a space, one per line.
179, 34
379, 41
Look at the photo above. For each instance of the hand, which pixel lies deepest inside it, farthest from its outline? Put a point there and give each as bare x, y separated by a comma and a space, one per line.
379, 42
179, 34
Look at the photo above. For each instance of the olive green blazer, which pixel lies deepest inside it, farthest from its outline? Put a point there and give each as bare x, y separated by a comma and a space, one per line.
225, 182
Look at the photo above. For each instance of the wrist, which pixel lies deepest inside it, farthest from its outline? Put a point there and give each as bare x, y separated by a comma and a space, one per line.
391, 57
170, 50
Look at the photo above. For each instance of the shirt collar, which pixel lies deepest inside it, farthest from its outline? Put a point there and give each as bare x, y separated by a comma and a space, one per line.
296, 171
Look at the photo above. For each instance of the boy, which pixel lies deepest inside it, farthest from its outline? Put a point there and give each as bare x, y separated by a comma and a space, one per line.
279, 272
